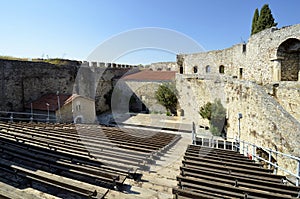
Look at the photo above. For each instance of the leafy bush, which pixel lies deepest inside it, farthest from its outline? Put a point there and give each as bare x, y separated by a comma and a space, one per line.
216, 114
168, 113
166, 95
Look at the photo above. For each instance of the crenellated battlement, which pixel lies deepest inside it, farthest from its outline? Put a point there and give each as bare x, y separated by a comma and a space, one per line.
106, 65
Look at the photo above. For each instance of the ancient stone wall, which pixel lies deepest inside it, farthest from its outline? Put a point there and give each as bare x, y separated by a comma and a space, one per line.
258, 79
288, 95
290, 67
163, 66
265, 121
24, 81
192, 94
97, 83
146, 93
257, 60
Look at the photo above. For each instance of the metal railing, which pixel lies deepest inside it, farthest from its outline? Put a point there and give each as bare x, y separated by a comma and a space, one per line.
244, 149
249, 149
24, 116
219, 143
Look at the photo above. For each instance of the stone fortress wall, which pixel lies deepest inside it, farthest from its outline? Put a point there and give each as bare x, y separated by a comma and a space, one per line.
265, 121
143, 91
258, 79
163, 66
97, 81
269, 56
24, 81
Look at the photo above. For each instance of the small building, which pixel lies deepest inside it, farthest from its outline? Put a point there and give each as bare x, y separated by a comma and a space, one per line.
77, 109
63, 108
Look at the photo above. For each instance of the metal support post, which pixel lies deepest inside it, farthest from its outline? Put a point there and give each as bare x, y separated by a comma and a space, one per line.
243, 147
11, 117
270, 158
31, 110
253, 152
193, 133
298, 173
48, 114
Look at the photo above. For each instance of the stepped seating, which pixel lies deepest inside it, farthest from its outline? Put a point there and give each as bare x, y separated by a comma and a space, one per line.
83, 160
218, 173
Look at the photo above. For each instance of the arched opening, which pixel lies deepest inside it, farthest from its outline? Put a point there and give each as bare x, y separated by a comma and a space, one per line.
78, 120
136, 104
195, 69
289, 53
221, 69
181, 70
207, 69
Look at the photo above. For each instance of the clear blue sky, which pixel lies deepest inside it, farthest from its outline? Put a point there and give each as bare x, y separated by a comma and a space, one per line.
73, 28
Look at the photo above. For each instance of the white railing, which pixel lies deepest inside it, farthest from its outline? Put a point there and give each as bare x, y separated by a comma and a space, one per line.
244, 149
24, 116
249, 150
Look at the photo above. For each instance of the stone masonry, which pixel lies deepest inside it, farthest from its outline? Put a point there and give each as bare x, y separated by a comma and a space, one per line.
258, 79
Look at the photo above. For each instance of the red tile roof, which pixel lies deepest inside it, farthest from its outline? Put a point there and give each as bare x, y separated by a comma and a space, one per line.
51, 99
74, 96
147, 75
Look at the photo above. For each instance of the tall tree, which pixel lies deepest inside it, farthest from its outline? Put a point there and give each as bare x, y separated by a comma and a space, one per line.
254, 22
265, 19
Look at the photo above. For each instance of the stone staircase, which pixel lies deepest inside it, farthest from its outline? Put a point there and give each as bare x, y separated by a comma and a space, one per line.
218, 173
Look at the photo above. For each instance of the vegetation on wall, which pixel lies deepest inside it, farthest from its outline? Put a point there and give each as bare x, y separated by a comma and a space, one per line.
262, 20
216, 114
54, 61
166, 95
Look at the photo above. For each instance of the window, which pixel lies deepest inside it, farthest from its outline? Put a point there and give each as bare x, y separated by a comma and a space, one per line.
221, 69
181, 70
207, 69
195, 69
244, 48
78, 106
241, 73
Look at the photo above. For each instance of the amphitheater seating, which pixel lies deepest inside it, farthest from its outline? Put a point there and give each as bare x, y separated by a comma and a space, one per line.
83, 160
218, 173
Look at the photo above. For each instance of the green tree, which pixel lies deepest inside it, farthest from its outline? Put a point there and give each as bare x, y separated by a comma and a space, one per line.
265, 19
254, 21
166, 95
216, 114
